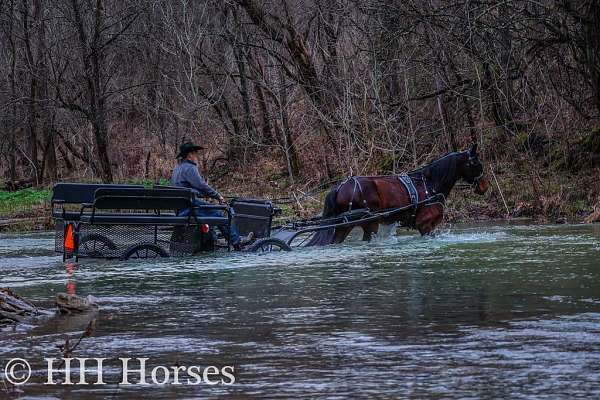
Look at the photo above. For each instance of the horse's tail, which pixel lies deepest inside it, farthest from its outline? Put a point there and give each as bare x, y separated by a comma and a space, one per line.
324, 237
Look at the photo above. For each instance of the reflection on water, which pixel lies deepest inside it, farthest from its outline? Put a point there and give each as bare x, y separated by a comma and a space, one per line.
476, 311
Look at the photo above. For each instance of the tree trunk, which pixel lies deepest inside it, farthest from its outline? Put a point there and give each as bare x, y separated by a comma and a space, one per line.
592, 48
93, 67
49, 160
12, 148
241, 61
267, 130
291, 155
32, 100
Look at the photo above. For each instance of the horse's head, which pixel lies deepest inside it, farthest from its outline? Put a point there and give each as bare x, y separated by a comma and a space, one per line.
472, 171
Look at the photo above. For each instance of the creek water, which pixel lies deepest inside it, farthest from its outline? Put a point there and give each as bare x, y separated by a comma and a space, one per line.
477, 311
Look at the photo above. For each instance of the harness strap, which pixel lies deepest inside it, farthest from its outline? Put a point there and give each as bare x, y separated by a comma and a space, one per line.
356, 184
425, 186
410, 188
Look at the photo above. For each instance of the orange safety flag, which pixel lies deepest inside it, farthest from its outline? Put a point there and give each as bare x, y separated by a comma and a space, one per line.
69, 243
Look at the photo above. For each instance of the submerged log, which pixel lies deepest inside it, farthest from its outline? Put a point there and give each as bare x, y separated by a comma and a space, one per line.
8, 317
14, 308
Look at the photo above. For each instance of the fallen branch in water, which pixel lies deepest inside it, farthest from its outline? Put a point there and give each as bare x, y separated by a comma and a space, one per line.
14, 308
67, 350
71, 304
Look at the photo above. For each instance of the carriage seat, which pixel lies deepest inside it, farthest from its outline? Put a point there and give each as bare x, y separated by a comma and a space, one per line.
64, 194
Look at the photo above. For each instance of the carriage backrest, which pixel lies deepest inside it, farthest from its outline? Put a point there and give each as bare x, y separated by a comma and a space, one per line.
169, 187
142, 199
78, 193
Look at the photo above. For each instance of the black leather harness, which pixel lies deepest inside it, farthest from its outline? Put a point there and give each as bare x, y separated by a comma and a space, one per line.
410, 188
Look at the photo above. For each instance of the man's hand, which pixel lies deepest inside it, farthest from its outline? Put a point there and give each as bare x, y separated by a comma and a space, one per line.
221, 200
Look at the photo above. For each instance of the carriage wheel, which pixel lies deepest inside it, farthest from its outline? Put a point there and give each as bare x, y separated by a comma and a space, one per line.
95, 245
144, 251
268, 245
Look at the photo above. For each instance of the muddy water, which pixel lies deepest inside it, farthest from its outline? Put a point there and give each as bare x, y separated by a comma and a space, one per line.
480, 311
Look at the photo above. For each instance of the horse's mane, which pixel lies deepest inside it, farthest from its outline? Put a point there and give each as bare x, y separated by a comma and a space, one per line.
441, 169
438, 169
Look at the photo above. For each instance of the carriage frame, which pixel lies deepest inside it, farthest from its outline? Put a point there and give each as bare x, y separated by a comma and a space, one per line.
132, 221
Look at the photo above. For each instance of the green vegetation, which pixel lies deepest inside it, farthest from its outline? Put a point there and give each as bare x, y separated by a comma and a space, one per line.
34, 202
23, 202
148, 182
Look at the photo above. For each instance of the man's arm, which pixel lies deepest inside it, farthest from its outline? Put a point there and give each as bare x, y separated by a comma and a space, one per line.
197, 182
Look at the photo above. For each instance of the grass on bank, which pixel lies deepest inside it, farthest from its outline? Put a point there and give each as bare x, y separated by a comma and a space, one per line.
29, 202
25, 202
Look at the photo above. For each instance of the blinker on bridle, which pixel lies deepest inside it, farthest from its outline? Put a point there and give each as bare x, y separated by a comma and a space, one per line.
470, 164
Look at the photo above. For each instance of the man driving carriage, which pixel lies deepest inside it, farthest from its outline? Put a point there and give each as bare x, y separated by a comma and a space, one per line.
186, 175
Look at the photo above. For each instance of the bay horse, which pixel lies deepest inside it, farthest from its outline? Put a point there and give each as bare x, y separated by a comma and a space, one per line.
431, 186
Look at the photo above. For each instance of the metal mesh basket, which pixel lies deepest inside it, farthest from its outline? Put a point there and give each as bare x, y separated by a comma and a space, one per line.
59, 235
116, 241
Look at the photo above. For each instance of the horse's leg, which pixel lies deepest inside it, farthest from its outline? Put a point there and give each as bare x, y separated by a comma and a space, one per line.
369, 230
428, 218
340, 234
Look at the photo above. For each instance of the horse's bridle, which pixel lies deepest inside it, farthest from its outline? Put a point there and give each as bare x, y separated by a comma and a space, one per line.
470, 163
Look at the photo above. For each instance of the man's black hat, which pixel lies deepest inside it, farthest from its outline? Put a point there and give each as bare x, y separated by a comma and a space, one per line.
187, 148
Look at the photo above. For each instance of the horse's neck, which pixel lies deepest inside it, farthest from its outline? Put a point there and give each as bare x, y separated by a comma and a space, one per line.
446, 184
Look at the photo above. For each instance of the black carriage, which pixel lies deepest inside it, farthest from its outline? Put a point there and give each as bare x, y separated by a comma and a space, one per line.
132, 221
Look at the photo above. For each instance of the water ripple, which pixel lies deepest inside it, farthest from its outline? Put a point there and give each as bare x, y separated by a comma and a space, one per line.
476, 311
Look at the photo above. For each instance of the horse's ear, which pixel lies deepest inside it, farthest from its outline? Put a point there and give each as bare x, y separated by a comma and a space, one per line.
473, 150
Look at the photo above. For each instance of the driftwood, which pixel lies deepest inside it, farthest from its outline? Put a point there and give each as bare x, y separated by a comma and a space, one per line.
14, 308
594, 216
72, 304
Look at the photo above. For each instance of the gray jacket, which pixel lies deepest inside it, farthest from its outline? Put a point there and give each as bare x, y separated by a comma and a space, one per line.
186, 175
